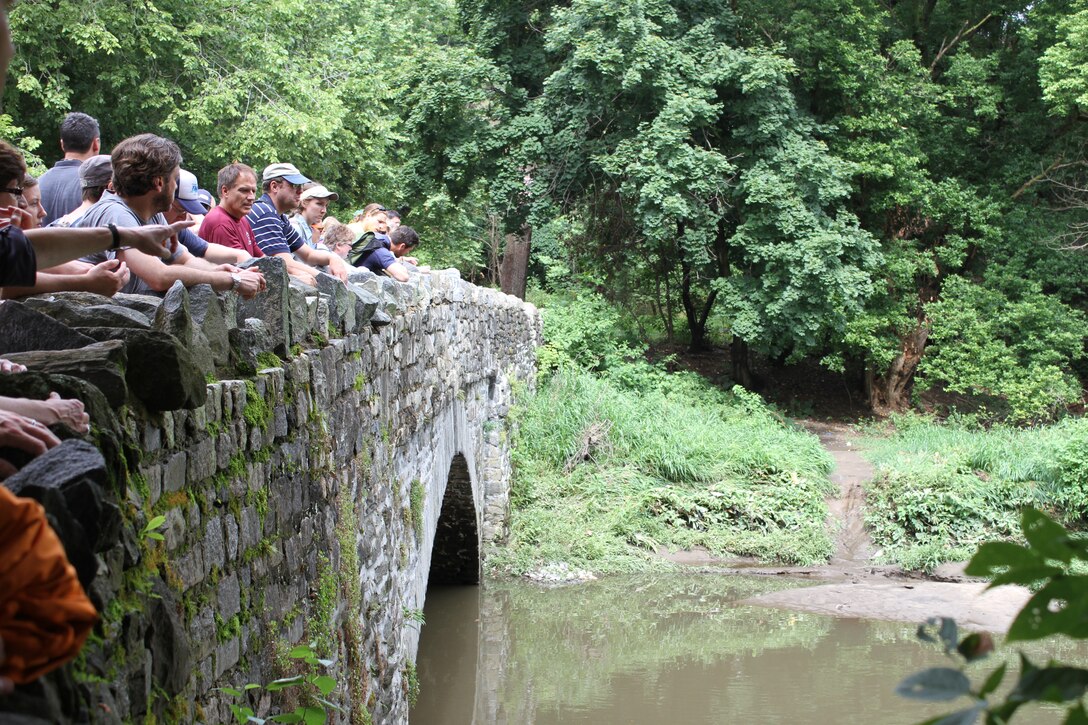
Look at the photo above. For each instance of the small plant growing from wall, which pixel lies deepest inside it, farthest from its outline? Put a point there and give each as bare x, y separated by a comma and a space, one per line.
315, 687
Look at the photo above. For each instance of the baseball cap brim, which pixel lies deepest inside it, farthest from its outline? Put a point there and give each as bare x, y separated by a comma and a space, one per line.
295, 179
193, 206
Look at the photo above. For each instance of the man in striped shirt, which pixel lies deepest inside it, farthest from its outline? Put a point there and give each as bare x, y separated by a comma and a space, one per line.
282, 185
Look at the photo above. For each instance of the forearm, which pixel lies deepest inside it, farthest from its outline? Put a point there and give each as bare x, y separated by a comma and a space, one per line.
34, 409
54, 246
218, 254
46, 282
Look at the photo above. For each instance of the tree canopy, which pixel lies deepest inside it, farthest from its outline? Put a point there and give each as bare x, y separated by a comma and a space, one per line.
897, 190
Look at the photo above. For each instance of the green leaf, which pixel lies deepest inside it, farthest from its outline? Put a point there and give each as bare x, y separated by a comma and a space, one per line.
993, 681
324, 684
313, 715
1051, 684
300, 652
287, 717
936, 684
996, 555
1045, 536
284, 683
230, 691
1026, 576
1060, 607
946, 632
155, 535
155, 523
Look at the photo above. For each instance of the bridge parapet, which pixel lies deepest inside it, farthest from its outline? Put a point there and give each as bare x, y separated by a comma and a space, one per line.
301, 500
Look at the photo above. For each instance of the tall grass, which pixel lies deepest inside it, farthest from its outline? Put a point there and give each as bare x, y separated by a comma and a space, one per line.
942, 488
604, 475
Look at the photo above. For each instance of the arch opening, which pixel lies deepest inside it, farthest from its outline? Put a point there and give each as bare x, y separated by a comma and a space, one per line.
455, 554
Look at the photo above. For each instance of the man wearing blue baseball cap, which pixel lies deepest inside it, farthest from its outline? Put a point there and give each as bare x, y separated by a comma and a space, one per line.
282, 184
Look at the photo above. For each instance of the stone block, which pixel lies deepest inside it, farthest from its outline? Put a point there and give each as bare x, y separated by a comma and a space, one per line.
231, 530
228, 596
270, 307
175, 318
215, 553
298, 313
73, 314
210, 318
23, 329
202, 460
189, 567
175, 472
101, 364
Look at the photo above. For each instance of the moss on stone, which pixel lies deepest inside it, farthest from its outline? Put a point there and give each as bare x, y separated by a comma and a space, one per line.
256, 411
415, 497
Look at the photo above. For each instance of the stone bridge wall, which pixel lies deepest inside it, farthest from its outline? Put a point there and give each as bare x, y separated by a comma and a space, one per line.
300, 501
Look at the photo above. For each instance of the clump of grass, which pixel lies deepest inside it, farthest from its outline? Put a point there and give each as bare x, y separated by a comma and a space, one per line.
604, 475
942, 488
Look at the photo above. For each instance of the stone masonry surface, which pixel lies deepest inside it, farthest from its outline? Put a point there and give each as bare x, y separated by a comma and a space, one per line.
296, 449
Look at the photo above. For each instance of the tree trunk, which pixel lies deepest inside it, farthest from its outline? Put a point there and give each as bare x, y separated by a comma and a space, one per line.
890, 392
742, 363
514, 268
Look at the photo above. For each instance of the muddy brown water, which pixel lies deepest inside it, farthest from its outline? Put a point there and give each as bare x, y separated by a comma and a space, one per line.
653, 650
729, 642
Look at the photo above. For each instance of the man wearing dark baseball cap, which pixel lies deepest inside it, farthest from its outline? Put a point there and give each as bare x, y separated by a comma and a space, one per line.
282, 184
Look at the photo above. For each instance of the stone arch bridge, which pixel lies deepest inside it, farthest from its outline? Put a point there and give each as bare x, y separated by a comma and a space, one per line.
362, 451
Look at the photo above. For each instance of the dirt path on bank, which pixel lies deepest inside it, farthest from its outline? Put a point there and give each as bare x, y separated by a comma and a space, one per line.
853, 585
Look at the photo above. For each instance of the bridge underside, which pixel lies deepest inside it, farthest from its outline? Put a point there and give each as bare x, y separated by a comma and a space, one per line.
455, 555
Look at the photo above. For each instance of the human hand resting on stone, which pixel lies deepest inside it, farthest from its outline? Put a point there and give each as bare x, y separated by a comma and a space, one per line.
18, 431
50, 411
7, 366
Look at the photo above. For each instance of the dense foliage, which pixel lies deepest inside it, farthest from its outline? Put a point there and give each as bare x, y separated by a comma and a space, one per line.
842, 181
617, 461
942, 489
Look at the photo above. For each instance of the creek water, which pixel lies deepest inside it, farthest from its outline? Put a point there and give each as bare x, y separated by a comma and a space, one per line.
681, 648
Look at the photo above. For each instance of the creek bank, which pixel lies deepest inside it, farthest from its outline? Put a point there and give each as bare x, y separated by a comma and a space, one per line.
851, 584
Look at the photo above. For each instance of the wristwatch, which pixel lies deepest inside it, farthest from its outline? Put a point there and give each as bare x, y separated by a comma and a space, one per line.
236, 281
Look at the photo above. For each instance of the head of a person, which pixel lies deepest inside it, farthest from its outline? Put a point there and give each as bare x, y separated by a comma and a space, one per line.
373, 210
207, 199
339, 239
12, 171
237, 184
403, 240
186, 199
314, 202
283, 184
147, 166
32, 195
94, 177
376, 223
79, 134
394, 219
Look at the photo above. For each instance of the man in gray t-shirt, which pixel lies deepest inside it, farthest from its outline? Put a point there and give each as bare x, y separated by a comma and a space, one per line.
61, 188
145, 178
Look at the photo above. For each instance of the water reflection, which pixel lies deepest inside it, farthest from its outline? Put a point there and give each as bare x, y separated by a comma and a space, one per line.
666, 649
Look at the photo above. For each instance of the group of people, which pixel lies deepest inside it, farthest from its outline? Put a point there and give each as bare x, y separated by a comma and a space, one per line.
141, 183
135, 221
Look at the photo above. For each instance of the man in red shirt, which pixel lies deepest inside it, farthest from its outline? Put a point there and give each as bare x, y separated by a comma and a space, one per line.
226, 224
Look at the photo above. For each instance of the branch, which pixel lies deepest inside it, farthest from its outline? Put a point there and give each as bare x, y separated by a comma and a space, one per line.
1041, 176
964, 33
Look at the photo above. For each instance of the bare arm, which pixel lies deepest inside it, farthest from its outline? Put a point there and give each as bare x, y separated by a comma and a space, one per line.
218, 254
53, 409
106, 279
397, 271
55, 246
295, 268
319, 258
160, 277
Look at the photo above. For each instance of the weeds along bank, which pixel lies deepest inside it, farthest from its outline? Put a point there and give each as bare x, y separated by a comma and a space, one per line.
941, 489
610, 468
